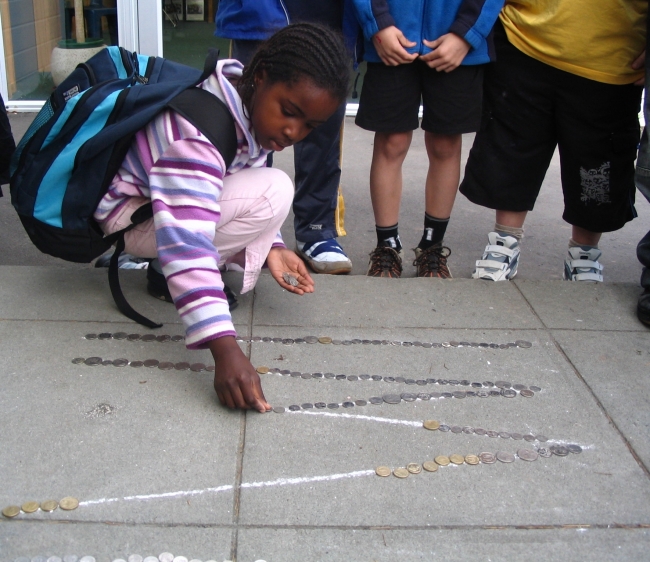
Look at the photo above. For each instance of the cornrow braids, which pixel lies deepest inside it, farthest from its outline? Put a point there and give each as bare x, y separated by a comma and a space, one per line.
297, 51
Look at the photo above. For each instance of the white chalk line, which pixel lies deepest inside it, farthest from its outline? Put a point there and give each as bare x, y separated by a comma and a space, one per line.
358, 417
267, 484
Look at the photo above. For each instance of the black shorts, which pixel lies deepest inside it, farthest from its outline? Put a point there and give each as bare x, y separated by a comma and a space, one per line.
391, 95
530, 108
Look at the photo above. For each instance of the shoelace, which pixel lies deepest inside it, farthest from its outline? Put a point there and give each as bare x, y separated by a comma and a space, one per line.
385, 258
434, 258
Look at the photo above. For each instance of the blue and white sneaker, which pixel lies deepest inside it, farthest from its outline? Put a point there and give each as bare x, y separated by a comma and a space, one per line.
325, 256
582, 265
500, 258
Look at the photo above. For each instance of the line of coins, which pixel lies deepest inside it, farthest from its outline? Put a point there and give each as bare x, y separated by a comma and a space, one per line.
314, 339
512, 389
528, 455
150, 363
163, 557
67, 504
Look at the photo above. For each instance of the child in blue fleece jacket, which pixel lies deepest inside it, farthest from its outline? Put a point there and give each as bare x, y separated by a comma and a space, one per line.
429, 51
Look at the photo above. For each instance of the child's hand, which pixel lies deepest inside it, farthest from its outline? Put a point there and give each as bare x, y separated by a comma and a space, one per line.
281, 260
448, 52
389, 43
235, 380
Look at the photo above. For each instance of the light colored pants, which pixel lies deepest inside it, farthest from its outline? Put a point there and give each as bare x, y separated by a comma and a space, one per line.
254, 204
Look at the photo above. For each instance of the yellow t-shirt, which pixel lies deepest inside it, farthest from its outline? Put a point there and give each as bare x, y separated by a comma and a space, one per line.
596, 39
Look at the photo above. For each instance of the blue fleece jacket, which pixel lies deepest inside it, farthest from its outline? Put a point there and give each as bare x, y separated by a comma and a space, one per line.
429, 19
253, 20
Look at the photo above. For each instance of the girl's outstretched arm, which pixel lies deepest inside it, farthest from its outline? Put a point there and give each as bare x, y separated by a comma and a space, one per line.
235, 380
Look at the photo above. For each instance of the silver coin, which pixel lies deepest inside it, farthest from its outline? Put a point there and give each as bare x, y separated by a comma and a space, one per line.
348, 404
279, 410
166, 366
424, 396
407, 344
151, 559
400, 379
456, 429
376, 377
289, 279
454, 344
107, 362
93, 361
356, 341
505, 457
503, 346
492, 433
468, 430
120, 362
182, 366
559, 450
436, 395
364, 377
340, 377
87, 559
285, 372
376, 400
317, 375
488, 384
519, 387
320, 405
541, 438
484, 344
148, 338
527, 455
366, 342
508, 393
487, 458
494, 346
151, 363
78, 360
443, 381
482, 393
166, 557
504, 435
444, 428
544, 452
502, 384
471, 393
197, 367
436, 345
535, 388
517, 436
329, 375
333, 406
162, 339
392, 398
361, 402
576, 449
296, 374
287, 341
447, 395
465, 382
465, 343
527, 393
479, 431
277, 340
417, 344
294, 407
336, 342
446, 344
389, 379
177, 338
91, 336
460, 394
523, 343
353, 378
495, 393
454, 382
409, 397
410, 381
135, 558
133, 337
305, 376
136, 364
528, 437
307, 406
311, 339
120, 335
473, 344
104, 336
347, 342
477, 385
267, 339
376, 342
432, 381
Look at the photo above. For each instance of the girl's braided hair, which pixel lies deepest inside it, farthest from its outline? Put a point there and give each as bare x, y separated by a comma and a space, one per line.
300, 50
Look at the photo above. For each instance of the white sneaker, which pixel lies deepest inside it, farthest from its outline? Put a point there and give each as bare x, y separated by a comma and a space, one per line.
500, 258
325, 256
583, 265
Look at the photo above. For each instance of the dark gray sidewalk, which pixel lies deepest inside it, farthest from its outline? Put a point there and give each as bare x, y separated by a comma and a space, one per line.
159, 467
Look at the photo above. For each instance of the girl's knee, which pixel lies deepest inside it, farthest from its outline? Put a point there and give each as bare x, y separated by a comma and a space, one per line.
280, 191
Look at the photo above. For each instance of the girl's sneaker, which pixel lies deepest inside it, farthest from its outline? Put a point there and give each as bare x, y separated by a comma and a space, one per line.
582, 265
325, 256
500, 258
432, 262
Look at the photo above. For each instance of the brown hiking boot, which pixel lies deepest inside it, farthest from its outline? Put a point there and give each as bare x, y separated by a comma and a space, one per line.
385, 262
432, 262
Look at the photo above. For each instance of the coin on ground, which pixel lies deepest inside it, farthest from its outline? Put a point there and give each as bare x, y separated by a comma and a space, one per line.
523, 343
527, 454
69, 503
442, 460
544, 452
431, 424
505, 457
430, 466
151, 363
400, 472
78, 360
457, 459
11, 511
392, 398
197, 367
324, 339
414, 468
527, 393
30, 507
382, 471
182, 366
279, 410
262, 370
487, 458
472, 459
577, 449
166, 366
49, 505
92, 361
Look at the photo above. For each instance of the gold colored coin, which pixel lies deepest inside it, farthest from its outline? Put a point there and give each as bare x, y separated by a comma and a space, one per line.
69, 503
324, 339
457, 459
442, 460
382, 471
472, 459
11, 511
414, 468
30, 507
431, 424
49, 505
400, 472
430, 466
262, 370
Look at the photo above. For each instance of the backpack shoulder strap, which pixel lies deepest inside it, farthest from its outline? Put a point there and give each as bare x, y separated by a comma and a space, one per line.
211, 116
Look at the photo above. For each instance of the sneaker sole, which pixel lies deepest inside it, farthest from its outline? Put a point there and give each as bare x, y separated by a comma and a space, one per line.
327, 268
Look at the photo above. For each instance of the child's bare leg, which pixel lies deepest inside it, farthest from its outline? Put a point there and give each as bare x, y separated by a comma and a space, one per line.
512, 219
584, 237
444, 173
386, 175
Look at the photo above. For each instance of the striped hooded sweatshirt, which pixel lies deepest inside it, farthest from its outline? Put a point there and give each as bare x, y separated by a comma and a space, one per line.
172, 163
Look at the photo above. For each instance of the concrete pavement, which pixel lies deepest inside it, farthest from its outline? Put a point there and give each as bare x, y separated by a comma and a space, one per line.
159, 466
